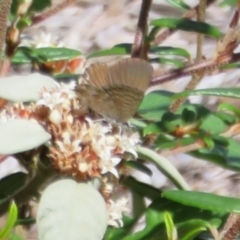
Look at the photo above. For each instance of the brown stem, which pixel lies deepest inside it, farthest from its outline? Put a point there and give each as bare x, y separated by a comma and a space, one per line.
196, 78
183, 149
206, 66
52, 12
231, 228
200, 38
139, 46
209, 65
5, 68
230, 132
4, 11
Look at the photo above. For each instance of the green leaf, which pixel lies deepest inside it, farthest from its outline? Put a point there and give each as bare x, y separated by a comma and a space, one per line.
25, 55
228, 3
5, 232
10, 185
164, 166
138, 205
213, 124
155, 218
120, 49
227, 118
163, 50
15, 237
220, 92
227, 157
153, 128
138, 166
208, 142
171, 121
234, 65
179, 4
21, 135
229, 107
189, 229
66, 77
188, 116
172, 62
170, 228
26, 221
28, 55
38, 6
187, 25
119, 233
205, 119
55, 54
154, 105
203, 200
24, 22
142, 189
164, 142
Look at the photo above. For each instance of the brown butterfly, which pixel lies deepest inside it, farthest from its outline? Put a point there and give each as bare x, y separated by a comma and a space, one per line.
116, 91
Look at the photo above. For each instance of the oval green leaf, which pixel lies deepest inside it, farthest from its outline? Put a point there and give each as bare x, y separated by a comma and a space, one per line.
5, 232
28, 55
163, 50
220, 92
154, 105
206, 201
164, 166
11, 184
187, 25
179, 4
120, 49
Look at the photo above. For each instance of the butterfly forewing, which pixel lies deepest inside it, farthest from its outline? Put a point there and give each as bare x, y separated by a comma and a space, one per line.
96, 75
132, 72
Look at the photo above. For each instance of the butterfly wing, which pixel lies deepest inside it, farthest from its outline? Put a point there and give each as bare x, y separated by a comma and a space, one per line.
126, 101
116, 92
96, 75
133, 72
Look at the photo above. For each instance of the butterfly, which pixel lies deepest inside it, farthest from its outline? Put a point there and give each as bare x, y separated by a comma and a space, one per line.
115, 92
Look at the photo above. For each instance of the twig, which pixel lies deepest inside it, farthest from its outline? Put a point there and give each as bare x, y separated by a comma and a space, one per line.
139, 46
196, 78
231, 228
183, 149
4, 11
231, 131
53, 11
209, 65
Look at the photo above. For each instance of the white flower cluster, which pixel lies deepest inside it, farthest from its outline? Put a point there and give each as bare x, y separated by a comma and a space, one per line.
116, 210
86, 146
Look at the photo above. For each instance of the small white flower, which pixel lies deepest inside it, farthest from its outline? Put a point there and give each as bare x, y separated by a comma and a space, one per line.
41, 40
116, 210
61, 95
109, 164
